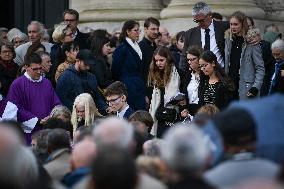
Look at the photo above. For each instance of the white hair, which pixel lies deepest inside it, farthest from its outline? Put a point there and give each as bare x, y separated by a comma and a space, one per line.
91, 111
114, 131
199, 8
186, 149
40, 26
278, 44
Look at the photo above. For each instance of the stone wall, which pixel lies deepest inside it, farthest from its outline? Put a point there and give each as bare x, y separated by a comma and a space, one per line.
173, 14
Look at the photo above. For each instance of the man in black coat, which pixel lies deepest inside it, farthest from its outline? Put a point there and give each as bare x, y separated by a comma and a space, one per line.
209, 34
147, 44
71, 17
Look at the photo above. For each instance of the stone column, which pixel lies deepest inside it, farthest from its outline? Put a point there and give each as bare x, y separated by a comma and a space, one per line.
274, 9
116, 10
183, 8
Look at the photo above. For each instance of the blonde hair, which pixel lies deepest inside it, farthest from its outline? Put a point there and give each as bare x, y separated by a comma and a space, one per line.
59, 33
209, 109
91, 111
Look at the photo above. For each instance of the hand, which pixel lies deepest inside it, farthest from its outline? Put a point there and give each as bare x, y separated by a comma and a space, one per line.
44, 120
253, 40
182, 102
184, 113
282, 74
147, 102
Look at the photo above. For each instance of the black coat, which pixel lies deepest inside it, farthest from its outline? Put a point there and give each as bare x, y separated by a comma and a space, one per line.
193, 37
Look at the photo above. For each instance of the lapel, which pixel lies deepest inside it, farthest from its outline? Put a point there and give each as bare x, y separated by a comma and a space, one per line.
218, 33
198, 33
132, 51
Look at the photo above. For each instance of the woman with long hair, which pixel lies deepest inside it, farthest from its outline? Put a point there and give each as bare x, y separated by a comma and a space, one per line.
84, 111
243, 61
100, 46
128, 67
68, 52
218, 89
165, 80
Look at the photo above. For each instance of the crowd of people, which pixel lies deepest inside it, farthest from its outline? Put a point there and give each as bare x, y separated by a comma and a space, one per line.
203, 109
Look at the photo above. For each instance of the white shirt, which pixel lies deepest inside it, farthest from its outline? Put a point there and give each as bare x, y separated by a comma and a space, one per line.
213, 45
122, 112
135, 46
192, 89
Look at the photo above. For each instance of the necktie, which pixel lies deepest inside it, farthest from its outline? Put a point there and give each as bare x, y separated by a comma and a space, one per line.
207, 40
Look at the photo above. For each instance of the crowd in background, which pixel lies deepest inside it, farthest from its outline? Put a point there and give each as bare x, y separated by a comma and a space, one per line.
201, 109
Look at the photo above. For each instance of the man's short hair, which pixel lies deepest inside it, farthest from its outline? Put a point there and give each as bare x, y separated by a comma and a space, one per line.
71, 11
150, 20
144, 117
33, 58
278, 44
58, 139
116, 88
201, 8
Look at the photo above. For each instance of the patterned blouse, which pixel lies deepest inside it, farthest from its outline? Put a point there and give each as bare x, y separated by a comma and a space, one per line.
210, 92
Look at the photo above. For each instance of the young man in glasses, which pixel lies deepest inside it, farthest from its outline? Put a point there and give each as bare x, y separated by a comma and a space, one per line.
209, 34
33, 95
116, 96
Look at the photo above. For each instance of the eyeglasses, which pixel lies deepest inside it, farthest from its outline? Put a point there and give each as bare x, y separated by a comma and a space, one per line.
203, 65
69, 20
191, 59
9, 52
113, 100
69, 34
37, 69
201, 20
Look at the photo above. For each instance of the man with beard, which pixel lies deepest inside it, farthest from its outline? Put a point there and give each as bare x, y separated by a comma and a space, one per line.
77, 80
147, 44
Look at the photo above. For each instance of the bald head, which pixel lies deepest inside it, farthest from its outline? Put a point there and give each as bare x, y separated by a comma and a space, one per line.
8, 138
83, 154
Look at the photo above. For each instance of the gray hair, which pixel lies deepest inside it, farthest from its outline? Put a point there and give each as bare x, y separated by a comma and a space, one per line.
186, 149
278, 44
40, 26
59, 110
18, 167
153, 147
15, 32
114, 131
200, 7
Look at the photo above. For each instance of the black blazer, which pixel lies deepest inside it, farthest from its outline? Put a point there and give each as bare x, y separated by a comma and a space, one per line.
83, 40
185, 80
128, 113
193, 37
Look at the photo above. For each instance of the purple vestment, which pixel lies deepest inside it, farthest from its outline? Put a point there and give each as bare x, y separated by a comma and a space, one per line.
34, 101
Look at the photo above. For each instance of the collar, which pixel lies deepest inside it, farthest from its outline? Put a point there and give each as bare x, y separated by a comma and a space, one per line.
243, 156
57, 153
75, 34
32, 80
130, 41
122, 112
211, 27
153, 44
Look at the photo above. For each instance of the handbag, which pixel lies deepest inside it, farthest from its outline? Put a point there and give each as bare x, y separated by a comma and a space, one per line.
165, 114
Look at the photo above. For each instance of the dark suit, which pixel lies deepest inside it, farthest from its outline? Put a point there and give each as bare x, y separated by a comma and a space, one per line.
128, 113
82, 40
193, 37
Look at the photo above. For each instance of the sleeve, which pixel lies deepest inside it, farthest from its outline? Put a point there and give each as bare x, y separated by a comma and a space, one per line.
118, 59
63, 87
182, 61
18, 59
100, 103
28, 119
258, 66
99, 70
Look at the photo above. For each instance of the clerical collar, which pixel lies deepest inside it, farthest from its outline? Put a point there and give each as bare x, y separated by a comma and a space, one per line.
32, 80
